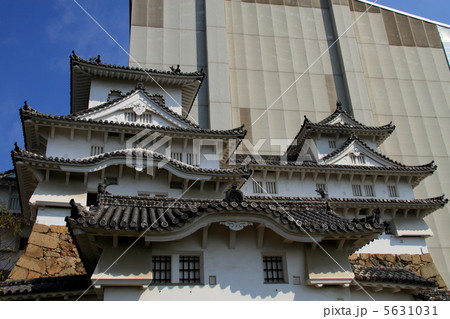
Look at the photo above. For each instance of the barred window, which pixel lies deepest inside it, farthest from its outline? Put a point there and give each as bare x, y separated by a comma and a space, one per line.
96, 150
177, 156
191, 159
393, 192
332, 144
368, 190
321, 186
146, 118
130, 116
257, 187
14, 204
360, 159
356, 190
273, 269
189, 269
161, 269
271, 187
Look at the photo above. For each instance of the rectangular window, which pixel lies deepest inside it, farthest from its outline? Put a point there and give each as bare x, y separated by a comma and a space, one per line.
146, 118
356, 190
191, 159
14, 204
332, 144
368, 190
357, 159
177, 156
161, 269
96, 150
271, 187
257, 187
130, 116
190, 269
273, 269
392, 191
322, 187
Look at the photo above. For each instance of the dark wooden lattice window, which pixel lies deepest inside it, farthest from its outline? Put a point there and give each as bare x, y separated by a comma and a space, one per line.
161, 269
189, 269
273, 269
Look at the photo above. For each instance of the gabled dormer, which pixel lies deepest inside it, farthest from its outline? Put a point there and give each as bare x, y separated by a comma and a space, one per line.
137, 107
331, 133
355, 152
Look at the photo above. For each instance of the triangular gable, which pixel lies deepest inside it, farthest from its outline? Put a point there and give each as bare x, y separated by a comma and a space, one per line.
356, 153
137, 107
340, 117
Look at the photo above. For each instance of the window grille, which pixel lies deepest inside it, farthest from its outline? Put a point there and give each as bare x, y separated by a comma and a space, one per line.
320, 186
191, 159
368, 190
189, 269
273, 269
332, 144
360, 159
130, 116
257, 187
96, 150
14, 204
392, 191
271, 187
356, 190
177, 156
146, 118
161, 269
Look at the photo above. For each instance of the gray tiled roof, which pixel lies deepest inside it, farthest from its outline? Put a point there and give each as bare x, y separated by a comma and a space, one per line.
138, 213
390, 275
239, 171
44, 285
434, 295
27, 112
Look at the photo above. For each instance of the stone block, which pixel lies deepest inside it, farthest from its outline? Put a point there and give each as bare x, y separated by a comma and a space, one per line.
416, 260
68, 272
364, 256
405, 257
50, 253
426, 258
387, 257
80, 270
353, 257
66, 246
32, 275
40, 228
31, 264
34, 251
429, 270
18, 273
43, 240
53, 269
440, 282
50, 261
59, 229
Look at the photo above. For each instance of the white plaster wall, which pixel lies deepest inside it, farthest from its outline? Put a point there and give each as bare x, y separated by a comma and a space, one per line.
100, 89
306, 187
52, 216
239, 271
380, 296
389, 244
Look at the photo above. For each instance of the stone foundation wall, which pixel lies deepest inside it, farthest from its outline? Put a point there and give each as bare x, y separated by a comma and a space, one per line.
50, 252
422, 265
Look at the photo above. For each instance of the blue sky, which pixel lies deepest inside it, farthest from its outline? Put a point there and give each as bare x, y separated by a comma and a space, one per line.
37, 38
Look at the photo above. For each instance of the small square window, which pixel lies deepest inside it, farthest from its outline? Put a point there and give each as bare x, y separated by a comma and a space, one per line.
190, 269
356, 189
146, 118
14, 204
191, 159
321, 187
393, 192
257, 187
96, 150
332, 144
177, 156
271, 187
360, 159
368, 190
273, 269
130, 117
161, 269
